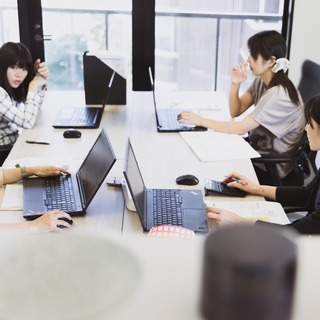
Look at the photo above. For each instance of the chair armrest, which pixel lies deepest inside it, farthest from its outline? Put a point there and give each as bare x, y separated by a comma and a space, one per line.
289, 209
274, 158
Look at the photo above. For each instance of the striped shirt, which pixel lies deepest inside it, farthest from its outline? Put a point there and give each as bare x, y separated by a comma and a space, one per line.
15, 116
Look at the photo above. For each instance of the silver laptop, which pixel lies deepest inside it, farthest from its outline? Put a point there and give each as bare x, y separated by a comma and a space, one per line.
167, 118
156, 207
70, 193
83, 117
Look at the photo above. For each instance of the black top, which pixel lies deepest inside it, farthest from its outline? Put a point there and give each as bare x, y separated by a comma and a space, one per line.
306, 196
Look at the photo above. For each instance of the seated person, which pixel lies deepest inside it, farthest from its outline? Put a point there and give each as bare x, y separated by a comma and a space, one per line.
276, 123
305, 196
47, 222
22, 89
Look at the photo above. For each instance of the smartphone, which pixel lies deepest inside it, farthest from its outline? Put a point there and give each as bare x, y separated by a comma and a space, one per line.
213, 186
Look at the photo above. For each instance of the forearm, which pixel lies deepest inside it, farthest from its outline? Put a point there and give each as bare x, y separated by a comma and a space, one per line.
22, 226
14, 175
223, 126
234, 101
268, 192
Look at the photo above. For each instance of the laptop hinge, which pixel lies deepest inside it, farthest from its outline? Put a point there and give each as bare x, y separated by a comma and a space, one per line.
81, 189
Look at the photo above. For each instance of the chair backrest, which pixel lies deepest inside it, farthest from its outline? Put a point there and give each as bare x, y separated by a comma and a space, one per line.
309, 84
305, 159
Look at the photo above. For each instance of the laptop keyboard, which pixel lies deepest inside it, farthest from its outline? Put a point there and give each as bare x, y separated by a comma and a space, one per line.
82, 115
168, 119
167, 207
59, 193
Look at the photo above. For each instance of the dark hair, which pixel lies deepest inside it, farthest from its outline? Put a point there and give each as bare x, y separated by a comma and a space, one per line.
15, 54
272, 44
312, 110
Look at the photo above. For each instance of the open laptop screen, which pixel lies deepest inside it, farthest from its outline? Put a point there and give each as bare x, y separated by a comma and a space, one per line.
96, 165
135, 181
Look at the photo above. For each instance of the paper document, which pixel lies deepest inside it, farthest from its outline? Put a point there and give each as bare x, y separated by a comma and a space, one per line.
12, 198
213, 146
255, 210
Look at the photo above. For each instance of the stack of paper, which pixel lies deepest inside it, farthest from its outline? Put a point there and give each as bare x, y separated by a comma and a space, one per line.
213, 146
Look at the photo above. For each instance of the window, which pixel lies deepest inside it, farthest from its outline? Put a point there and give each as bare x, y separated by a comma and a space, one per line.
198, 42
74, 27
9, 26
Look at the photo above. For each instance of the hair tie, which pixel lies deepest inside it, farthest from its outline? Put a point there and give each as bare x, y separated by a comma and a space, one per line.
281, 64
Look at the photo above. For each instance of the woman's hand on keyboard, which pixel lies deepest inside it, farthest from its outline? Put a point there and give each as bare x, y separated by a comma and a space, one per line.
46, 171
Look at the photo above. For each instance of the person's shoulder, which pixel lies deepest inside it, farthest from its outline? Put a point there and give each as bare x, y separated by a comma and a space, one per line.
3, 92
256, 87
257, 82
278, 91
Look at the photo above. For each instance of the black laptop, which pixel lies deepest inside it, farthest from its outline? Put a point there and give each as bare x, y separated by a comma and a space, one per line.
157, 207
70, 193
167, 118
83, 117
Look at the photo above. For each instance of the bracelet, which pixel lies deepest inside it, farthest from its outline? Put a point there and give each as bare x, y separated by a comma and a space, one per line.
23, 171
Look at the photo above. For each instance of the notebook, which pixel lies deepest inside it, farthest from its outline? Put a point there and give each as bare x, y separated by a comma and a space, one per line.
167, 118
81, 186
84, 117
189, 211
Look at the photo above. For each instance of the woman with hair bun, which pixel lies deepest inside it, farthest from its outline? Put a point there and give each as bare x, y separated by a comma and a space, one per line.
276, 123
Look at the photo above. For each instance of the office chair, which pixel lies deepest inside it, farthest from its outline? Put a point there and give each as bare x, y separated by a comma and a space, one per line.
301, 157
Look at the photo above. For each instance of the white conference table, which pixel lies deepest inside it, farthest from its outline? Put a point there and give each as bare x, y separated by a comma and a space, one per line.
162, 156
173, 293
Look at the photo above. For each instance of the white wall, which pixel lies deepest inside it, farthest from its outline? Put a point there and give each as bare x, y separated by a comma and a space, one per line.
305, 43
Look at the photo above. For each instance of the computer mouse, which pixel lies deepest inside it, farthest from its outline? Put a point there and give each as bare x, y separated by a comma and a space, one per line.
188, 180
70, 221
72, 133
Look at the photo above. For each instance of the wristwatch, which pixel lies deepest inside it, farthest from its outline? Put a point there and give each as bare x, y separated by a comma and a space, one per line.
23, 171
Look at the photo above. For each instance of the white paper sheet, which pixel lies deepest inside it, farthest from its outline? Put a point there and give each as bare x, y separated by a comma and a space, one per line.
12, 198
213, 146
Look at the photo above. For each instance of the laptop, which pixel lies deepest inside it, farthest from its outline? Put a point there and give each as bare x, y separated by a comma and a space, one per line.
83, 117
43, 194
167, 118
187, 211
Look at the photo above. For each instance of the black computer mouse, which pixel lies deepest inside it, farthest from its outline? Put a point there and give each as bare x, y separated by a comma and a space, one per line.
70, 221
72, 133
188, 180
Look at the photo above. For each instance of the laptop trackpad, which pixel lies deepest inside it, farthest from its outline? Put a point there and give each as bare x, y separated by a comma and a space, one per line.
194, 219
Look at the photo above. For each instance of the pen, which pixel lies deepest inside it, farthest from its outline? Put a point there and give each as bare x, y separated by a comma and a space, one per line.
37, 142
239, 181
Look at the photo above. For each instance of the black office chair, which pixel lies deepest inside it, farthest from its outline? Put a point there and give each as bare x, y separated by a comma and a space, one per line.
309, 84
301, 157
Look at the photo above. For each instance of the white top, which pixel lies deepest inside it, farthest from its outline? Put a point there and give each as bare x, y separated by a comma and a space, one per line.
15, 115
281, 121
